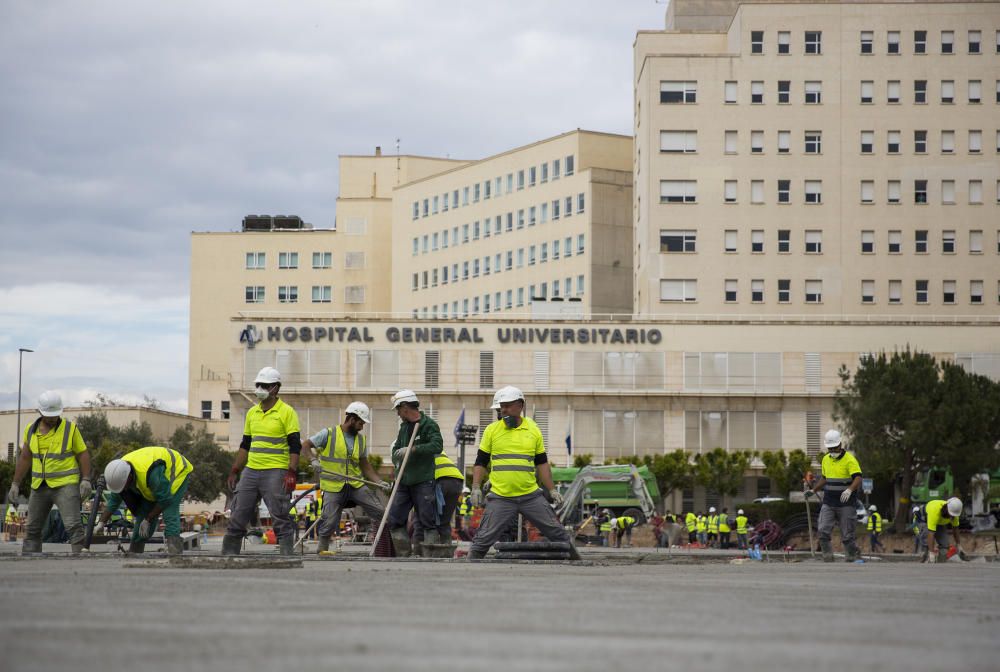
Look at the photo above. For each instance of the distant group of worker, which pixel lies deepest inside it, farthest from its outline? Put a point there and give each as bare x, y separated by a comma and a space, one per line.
715, 530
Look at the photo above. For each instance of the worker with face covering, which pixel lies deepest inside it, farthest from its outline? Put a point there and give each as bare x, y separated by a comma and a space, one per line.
840, 482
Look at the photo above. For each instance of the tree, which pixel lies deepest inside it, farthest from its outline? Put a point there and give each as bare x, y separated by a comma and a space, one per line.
581, 461
628, 459
673, 471
211, 463
968, 422
786, 469
106, 442
721, 470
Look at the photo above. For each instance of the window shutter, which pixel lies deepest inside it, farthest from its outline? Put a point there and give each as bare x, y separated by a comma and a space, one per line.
432, 366
541, 370
813, 371
486, 369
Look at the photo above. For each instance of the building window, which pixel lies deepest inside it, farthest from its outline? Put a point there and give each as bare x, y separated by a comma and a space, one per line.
976, 291
255, 261
814, 142
580, 202
948, 242
730, 191
892, 145
731, 291
784, 240
814, 191
895, 242
532, 176
867, 191
867, 291
679, 142
920, 191
679, 290
325, 259
730, 240
814, 291
757, 241
919, 142
867, 142
920, 241
920, 41
784, 91
568, 247
814, 242
289, 294
867, 242
757, 191
678, 191
579, 244
756, 41
579, 285
920, 91
947, 91
224, 408
676, 93
255, 294
948, 192
948, 291
814, 93
975, 192
732, 138
206, 410
867, 40
757, 93
784, 142
814, 42
975, 91
322, 294
893, 191
867, 92
784, 42
756, 142
892, 42
892, 91
732, 92
556, 167
784, 291
784, 191
673, 240
975, 142
921, 291
947, 41
416, 209
975, 242
895, 291
757, 291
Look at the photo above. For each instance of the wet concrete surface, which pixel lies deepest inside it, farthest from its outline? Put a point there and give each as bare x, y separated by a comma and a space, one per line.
96, 613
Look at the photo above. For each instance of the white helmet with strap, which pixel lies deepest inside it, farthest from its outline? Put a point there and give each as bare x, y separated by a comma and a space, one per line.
359, 409
404, 396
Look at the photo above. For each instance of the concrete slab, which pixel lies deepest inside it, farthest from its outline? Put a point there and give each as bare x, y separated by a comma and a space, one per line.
96, 614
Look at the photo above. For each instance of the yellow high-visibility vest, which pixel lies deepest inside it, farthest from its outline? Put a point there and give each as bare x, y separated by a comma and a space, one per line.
268, 432
53, 456
445, 468
336, 459
877, 520
176, 468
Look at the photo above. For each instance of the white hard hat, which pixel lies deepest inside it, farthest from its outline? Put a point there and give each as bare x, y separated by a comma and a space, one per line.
466, 490
496, 401
505, 395
268, 375
915, 509
740, 512
954, 507
116, 475
711, 509
359, 409
403, 396
873, 508
50, 404
832, 438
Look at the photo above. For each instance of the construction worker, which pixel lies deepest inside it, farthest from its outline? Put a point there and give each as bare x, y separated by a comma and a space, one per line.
622, 525
605, 529
312, 515
725, 531
713, 527
10, 521
941, 515
701, 525
448, 484
691, 523
60, 473
874, 528
514, 450
416, 485
269, 460
150, 481
741, 530
464, 509
840, 480
341, 459
919, 527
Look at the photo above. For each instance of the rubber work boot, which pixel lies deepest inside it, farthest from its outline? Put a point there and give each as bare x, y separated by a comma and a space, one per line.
32, 546
476, 555
286, 545
76, 549
401, 542
175, 545
324, 545
427, 547
827, 549
137, 547
231, 545
851, 552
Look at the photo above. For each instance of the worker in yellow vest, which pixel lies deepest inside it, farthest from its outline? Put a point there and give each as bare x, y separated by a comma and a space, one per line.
449, 482
840, 482
725, 531
941, 515
713, 527
874, 528
268, 458
701, 525
312, 515
150, 481
60, 473
341, 458
514, 451
691, 523
741, 530
10, 520
622, 526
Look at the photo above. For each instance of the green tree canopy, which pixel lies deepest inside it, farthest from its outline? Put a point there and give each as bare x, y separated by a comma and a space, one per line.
673, 471
786, 469
211, 463
581, 461
721, 470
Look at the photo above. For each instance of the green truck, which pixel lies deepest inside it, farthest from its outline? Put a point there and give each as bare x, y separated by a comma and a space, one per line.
609, 487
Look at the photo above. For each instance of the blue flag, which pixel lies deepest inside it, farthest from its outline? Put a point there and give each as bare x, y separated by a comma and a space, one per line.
458, 427
569, 435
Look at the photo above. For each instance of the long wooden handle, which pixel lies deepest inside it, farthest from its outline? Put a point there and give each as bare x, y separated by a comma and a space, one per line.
395, 488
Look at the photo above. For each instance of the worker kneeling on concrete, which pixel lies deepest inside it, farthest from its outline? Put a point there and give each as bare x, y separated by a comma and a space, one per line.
941, 515
342, 462
840, 481
150, 481
514, 449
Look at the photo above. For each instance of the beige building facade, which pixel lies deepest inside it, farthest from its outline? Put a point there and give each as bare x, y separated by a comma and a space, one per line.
819, 159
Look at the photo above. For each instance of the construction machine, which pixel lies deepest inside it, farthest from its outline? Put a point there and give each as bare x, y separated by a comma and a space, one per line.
573, 510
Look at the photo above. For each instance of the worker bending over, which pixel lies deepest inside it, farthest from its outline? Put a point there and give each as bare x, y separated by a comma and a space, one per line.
514, 450
941, 515
840, 481
149, 481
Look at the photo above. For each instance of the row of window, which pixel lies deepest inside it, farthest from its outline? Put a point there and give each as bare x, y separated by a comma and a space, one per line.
206, 410
686, 191
686, 142
499, 261
686, 290
813, 42
685, 241
686, 92
290, 294
494, 188
432, 242
257, 261
506, 300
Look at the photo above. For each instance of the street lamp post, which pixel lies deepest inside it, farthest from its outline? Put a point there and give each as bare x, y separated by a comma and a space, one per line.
20, 356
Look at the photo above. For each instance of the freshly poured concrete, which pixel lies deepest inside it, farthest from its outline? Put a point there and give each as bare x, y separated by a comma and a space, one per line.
96, 614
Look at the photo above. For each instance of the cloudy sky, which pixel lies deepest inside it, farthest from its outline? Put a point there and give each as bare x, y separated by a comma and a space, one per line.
126, 125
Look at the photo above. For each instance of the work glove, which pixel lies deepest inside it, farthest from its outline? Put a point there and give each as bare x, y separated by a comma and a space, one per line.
810, 493
145, 529
845, 495
12, 494
99, 527
476, 497
86, 489
231, 480
557, 497
386, 486
290, 480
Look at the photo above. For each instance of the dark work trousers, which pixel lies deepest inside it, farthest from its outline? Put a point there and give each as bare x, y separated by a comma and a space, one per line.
421, 498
